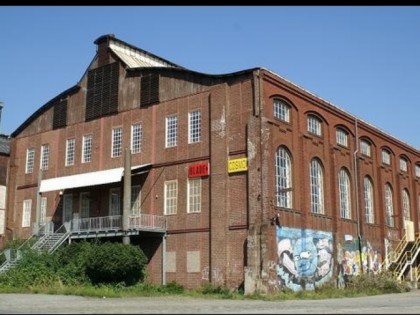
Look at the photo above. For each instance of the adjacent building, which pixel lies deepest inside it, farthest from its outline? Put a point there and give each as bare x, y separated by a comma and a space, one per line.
244, 179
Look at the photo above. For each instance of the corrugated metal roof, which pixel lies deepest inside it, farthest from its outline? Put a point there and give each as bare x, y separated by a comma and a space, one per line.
134, 58
4, 145
86, 179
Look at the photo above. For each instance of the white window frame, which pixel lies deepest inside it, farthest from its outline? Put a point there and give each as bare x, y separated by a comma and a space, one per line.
417, 170
87, 149
84, 205
116, 148
171, 197
136, 137
283, 177
30, 159
194, 126
365, 148
403, 165
194, 195
43, 211
369, 201
386, 157
135, 205
45, 154
281, 110
389, 206
345, 194
70, 150
171, 133
314, 125
406, 205
26, 213
316, 186
342, 137
114, 201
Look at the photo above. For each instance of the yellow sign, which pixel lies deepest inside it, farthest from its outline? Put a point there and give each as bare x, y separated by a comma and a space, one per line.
237, 165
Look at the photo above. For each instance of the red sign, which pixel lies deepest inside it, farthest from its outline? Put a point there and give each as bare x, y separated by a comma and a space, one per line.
199, 169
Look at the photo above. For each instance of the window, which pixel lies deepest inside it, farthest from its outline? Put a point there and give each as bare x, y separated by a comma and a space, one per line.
67, 207
368, 192
386, 157
403, 164
406, 205
342, 137
283, 178
135, 200
194, 127
26, 215
70, 146
43, 213
171, 194
314, 125
114, 201
45, 153
365, 148
87, 149
317, 191
194, 195
417, 170
281, 110
116, 142
171, 131
389, 206
30, 158
344, 190
60, 114
84, 205
136, 138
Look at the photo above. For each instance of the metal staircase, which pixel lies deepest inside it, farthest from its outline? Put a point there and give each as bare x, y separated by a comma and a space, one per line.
45, 240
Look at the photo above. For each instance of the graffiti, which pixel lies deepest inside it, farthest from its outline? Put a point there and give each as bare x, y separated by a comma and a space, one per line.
205, 273
304, 258
216, 274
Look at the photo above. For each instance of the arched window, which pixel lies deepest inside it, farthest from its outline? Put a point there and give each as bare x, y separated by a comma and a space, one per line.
281, 110
368, 191
342, 137
406, 205
365, 148
317, 186
344, 189
389, 205
283, 178
314, 125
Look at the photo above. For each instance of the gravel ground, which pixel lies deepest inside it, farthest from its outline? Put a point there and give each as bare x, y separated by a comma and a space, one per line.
401, 303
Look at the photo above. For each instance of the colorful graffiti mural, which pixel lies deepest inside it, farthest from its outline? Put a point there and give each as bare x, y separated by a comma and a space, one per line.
305, 258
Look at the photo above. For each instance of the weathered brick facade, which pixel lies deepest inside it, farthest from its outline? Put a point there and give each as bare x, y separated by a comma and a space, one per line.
233, 241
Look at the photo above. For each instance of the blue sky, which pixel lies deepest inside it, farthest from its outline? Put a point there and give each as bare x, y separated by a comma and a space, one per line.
363, 59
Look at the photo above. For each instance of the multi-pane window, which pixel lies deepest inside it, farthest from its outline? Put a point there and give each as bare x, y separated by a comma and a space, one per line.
194, 195
368, 192
171, 196
135, 200
389, 206
26, 215
314, 125
283, 178
30, 158
114, 201
403, 164
171, 131
136, 137
84, 205
67, 207
365, 148
116, 149
70, 147
386, 157
194, 126
87, 149
417, 170
317, 190
281, 110
342, 137
43, 212
406, 205
344, 189
45, 154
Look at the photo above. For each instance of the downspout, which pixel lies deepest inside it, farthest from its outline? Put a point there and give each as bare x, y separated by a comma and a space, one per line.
127, 196
356, 186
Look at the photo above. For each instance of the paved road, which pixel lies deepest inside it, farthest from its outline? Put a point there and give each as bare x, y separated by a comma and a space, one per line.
401, 303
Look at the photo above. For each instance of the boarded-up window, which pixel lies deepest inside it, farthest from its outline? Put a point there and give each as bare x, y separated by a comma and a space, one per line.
149, 89
60, 115
102, 91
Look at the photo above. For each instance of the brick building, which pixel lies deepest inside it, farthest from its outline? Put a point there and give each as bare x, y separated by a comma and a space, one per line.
243, 179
